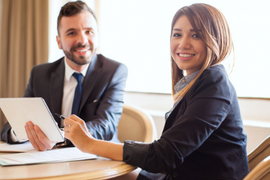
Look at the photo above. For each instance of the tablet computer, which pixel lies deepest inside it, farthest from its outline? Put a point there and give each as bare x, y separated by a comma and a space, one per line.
18, 111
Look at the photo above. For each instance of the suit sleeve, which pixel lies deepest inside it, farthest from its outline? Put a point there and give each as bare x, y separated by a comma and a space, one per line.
203, 110
104, 123
5, 132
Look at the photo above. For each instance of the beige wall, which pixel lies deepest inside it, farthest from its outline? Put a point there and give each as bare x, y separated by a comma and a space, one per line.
255, 113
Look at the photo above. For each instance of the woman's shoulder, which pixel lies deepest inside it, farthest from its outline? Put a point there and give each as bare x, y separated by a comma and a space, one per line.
213, 82
215, 73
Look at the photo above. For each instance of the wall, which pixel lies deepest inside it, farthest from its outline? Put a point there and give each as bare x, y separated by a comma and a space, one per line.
255, 113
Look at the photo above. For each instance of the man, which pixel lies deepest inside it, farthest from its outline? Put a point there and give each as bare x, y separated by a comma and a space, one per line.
102, 82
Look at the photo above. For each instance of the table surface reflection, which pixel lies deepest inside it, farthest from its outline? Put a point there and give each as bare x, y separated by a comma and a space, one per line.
100, 168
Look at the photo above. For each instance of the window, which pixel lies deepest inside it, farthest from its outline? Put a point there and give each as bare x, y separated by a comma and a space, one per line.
137, 33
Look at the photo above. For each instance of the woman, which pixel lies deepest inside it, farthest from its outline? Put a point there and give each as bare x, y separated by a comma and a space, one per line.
203, 136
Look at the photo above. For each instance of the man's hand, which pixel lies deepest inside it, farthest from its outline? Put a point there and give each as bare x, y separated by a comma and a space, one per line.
37, 138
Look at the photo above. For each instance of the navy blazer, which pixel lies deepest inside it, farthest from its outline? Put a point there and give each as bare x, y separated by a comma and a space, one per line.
102, 95
203, 137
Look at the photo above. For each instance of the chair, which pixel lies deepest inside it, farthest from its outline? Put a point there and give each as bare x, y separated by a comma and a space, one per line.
135, 124
261, 171
259, 153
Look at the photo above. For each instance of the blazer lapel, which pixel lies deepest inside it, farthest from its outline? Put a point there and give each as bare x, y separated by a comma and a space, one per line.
56, 90
89, 81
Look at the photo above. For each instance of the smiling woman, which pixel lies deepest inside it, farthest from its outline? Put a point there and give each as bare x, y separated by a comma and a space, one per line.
187, 49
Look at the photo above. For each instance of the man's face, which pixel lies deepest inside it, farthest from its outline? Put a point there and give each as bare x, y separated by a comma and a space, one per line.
78, 38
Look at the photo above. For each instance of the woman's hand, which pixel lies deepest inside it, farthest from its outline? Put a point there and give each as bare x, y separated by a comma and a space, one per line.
77, 132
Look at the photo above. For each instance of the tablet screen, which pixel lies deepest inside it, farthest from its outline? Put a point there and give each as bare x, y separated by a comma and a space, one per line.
18, 111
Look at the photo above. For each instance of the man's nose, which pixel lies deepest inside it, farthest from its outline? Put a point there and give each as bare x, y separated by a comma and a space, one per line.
82, 38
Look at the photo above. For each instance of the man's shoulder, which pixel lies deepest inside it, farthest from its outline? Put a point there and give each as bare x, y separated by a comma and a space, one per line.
105, 60
110, 66
48, 66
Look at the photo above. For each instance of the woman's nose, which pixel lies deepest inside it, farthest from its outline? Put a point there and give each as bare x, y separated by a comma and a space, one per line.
184, 43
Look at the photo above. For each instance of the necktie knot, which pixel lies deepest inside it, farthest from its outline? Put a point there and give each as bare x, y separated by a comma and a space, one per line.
78, 76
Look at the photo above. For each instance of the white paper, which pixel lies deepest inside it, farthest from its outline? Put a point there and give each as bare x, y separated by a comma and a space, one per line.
27, 146
49, 156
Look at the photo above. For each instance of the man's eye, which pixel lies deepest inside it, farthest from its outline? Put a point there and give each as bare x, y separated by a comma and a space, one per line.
90, 32
71, 33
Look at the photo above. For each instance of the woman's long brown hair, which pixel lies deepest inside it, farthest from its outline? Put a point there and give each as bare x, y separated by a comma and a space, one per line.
211, 26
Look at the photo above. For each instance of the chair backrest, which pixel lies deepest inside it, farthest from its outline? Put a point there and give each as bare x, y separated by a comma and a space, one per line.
259, 153
136, 124
261, 171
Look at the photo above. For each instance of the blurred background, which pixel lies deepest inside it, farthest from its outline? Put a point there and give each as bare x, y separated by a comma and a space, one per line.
137, 33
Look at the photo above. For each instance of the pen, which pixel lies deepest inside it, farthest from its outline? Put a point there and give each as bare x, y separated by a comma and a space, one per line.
63, 117
60, 116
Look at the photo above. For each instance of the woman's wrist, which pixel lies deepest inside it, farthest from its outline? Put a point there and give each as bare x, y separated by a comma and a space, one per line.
91, 144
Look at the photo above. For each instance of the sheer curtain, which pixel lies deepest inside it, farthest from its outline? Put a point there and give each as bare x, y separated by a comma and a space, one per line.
24, 43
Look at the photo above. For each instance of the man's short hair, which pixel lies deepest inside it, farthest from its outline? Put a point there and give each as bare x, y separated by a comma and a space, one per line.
73, 8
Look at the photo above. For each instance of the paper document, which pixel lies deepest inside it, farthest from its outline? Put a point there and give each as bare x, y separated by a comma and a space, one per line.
4, 147
49, 156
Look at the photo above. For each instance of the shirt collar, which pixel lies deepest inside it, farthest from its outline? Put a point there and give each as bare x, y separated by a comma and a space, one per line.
185, 81
69, 71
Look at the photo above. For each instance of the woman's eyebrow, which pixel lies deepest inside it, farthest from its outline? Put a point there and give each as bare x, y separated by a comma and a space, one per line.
191, 30
176, 29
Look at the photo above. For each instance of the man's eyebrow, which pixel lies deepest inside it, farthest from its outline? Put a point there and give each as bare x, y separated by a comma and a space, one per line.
71, 29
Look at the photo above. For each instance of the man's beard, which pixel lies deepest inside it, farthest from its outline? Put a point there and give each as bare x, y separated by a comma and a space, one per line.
82, 60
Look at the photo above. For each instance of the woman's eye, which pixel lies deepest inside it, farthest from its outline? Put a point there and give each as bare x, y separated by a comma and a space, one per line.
195, 36
176, 35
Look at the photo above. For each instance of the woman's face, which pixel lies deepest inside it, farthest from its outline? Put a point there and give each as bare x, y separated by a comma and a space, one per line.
188, 51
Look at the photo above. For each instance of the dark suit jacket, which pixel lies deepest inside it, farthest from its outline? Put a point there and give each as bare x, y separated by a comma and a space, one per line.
203, 137
102, 95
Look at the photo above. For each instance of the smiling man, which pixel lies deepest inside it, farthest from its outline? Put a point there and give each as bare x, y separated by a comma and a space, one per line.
82, 83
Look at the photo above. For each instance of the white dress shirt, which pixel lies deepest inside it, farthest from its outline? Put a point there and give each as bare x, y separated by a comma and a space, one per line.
70, 84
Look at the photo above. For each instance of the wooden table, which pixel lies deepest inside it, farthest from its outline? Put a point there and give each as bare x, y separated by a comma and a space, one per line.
100, 168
